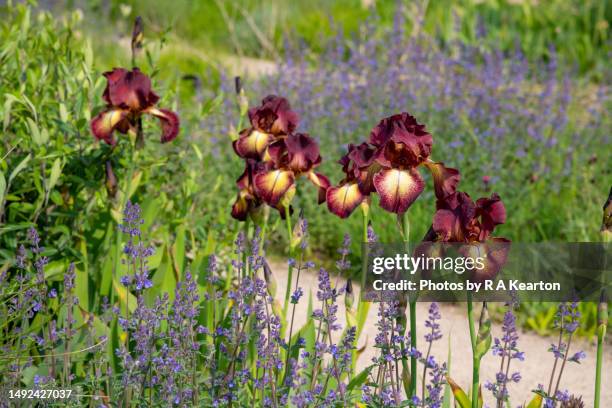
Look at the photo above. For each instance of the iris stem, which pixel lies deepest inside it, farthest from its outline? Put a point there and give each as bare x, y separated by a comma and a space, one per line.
244, 271
413, 346
404, 225
118, 237
601, 333
364, 265
475, 360
289, 266
602, 320
364, 271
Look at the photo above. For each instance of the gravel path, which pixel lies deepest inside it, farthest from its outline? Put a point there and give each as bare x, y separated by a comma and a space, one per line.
535, 370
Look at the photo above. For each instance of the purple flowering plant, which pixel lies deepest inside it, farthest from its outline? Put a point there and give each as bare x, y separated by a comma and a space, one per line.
173, 325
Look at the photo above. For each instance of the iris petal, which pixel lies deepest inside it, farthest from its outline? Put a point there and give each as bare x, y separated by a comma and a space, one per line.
302, 152
343, 200
251, 144
494, 254
492, 212
169, 122
129, 89
240, 208
320, 181
106, 122
445, 179
398, 188
447, 226
272, 185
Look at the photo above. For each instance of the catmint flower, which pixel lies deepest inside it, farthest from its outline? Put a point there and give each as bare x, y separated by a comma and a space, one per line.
580, 355
432, 323
297, 294
505, 347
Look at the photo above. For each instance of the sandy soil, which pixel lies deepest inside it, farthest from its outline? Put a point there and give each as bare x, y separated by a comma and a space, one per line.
536, 368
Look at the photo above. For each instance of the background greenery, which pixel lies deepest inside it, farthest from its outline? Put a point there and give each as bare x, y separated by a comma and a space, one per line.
52, 170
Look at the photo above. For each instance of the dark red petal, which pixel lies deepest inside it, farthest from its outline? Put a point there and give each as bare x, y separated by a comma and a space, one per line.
447, 226
129, 89
302, 153
274, 116
251, 144
445, 179
322, 182
343, 200
492, 212
365, 178
398, 189
106, 122
401, 126
169, 122
271, 186
240, 209
494, 254
362, 155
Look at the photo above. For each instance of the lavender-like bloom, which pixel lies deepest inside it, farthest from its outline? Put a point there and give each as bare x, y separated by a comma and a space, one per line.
505, 347
432, 323
567, 321
135, 251
344, 264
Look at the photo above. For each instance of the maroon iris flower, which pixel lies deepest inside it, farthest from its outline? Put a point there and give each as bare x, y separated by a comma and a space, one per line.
388, 165
269, 121
128, 96
459, 219
277, 157
247, 200
289, 158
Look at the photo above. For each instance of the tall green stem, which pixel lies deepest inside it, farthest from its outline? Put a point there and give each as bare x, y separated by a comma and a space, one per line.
290, 268
600, 340
364, 265
118, 237
475, 359
602, 323
244, 271
405, 232
413, 346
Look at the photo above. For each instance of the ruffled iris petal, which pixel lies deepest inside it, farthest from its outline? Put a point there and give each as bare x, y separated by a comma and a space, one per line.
447, 226
302, 152
169, 122
343, 200
106, 122
272, 185
274, 115
129, 89
398, 189
492, 212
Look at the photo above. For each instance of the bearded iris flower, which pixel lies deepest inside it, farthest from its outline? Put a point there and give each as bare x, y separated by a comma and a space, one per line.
459, 219
247, 200
359, 167
276, 157
128, 96
388, 164
269, 121
287, 159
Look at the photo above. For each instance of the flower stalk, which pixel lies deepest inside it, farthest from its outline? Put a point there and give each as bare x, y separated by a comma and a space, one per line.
602, 308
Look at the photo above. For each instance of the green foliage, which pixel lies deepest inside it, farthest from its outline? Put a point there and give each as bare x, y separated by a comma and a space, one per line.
578, 30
